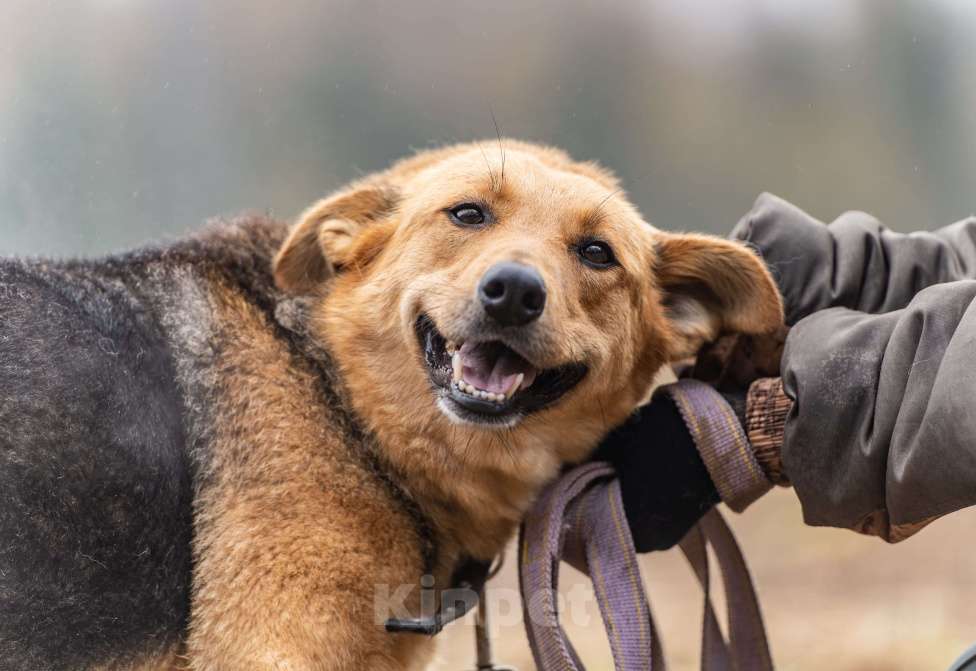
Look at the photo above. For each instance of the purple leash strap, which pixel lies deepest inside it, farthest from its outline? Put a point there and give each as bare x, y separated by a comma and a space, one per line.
580, 519
747, 648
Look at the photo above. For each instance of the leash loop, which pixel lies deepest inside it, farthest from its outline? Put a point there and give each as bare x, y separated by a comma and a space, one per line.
580, 519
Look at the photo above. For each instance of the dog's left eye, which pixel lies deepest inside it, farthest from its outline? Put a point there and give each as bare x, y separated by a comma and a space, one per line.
596, 253
467, 214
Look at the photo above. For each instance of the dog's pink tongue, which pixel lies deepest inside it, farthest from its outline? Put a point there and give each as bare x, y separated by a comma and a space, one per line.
492, 368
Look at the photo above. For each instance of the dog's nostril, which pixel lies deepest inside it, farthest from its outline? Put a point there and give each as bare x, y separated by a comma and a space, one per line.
493, 289
533, 300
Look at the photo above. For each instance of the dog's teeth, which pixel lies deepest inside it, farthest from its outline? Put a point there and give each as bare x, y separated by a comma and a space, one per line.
515, 386
450, 347
468, 388
522, 377
456, 365
471, 390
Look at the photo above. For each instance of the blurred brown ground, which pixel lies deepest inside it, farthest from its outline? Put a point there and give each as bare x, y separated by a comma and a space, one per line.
832, 599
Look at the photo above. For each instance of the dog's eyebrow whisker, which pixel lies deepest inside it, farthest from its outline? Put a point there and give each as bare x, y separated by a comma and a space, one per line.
501, 149
596, 215
599, 207
491, 175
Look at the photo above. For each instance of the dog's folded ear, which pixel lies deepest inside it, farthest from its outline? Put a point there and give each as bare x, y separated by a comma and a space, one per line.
327, 237
712, 286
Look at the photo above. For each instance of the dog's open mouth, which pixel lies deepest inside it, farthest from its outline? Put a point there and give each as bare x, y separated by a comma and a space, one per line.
488, 382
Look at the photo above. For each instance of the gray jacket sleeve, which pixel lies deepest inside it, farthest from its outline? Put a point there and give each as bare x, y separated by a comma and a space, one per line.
880, 364
855, 262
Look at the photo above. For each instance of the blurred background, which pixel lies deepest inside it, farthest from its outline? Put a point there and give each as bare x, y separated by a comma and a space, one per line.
125, 121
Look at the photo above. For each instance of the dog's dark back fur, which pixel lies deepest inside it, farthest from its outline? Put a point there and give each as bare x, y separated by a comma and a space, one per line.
96, 479
95, 489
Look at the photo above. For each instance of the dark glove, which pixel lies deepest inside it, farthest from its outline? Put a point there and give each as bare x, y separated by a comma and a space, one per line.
663, 481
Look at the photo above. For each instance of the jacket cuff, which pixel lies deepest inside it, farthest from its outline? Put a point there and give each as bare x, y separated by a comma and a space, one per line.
721, 442
767, 409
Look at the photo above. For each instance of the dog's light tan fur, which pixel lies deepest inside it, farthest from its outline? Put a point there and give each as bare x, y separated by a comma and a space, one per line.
291, 538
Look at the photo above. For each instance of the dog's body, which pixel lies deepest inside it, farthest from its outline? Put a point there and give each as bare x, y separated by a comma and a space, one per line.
214, 454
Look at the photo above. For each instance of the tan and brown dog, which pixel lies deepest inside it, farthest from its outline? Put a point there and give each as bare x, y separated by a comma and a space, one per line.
473, 320
525, 275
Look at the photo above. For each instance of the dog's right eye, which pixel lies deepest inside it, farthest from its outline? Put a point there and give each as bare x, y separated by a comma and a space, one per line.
467, 214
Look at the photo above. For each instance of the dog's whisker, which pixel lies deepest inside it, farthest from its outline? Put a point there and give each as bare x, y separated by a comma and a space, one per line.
501, 149
491, 175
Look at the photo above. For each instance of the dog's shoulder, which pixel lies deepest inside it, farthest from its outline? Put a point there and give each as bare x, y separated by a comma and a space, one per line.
90, 321
244, 245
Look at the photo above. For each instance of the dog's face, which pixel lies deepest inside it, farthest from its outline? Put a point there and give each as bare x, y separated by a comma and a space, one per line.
499, 290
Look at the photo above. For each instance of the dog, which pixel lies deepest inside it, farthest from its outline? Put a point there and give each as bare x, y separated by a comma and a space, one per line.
213, 453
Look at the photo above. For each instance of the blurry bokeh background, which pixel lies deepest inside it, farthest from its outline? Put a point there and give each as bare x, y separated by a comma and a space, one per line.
123, 121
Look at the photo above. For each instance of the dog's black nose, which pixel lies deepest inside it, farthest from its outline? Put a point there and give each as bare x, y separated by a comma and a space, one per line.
512, 294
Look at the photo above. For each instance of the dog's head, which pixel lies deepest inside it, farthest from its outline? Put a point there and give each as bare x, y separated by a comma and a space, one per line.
488, 288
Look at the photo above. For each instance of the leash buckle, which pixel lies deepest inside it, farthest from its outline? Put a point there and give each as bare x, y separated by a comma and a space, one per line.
469, 579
